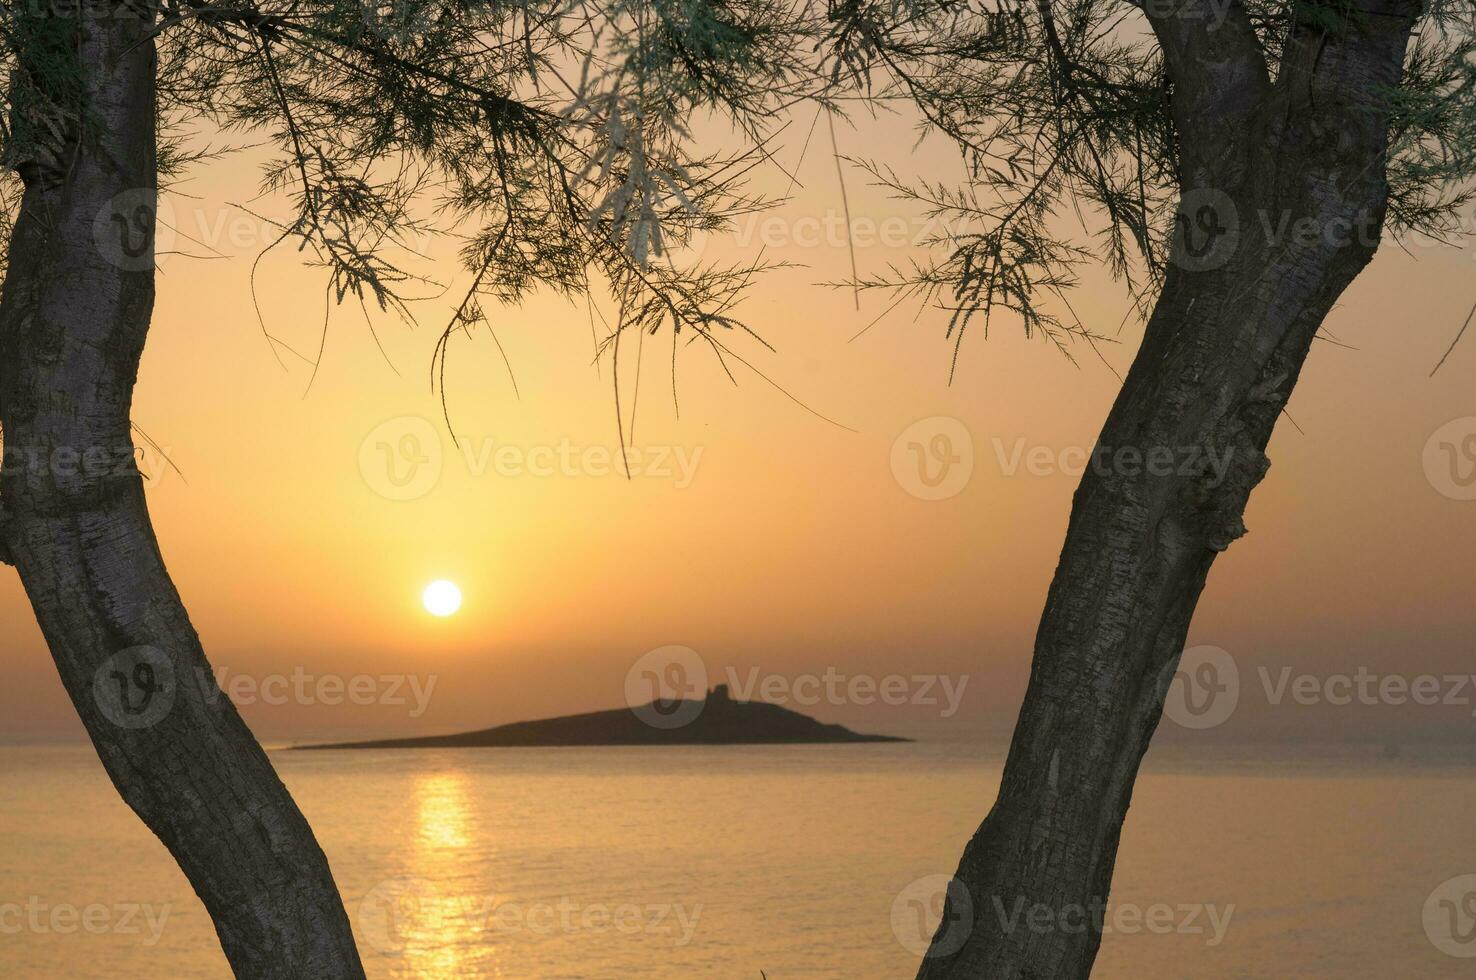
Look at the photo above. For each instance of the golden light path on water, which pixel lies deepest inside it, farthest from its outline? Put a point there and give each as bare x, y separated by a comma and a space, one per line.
454, 936
443, 932
803, 862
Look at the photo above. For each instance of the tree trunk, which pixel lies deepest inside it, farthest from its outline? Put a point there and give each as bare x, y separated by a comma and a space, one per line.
1220, 356
77, 300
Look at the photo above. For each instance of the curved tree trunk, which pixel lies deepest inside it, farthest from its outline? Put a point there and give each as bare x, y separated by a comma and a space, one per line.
1220, 356
77, 300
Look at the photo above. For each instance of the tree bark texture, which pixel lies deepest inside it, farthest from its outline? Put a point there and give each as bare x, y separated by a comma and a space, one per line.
1283, 195
77, 301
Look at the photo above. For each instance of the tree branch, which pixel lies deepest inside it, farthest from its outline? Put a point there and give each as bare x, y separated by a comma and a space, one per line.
1219, 76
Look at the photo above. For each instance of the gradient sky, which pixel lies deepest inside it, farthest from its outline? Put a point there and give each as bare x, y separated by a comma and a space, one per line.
794, 549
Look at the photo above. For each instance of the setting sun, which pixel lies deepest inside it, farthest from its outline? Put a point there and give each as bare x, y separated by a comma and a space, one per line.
441, 598
1095, 427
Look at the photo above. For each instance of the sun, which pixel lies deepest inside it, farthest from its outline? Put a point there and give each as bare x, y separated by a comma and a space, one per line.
441, 598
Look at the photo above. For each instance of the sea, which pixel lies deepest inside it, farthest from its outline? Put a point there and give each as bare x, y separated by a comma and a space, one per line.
784, 862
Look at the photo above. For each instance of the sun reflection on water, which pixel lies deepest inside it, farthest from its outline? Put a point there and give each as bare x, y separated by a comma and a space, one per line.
442, 815
440, 925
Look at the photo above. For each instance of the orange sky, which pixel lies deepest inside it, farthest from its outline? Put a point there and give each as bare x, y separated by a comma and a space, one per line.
793, 548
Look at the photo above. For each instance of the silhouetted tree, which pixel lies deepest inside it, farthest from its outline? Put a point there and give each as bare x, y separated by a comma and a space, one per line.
1197, 131
1240, 161
554, 135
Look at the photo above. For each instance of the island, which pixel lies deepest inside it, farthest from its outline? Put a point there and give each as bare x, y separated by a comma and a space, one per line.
717, 719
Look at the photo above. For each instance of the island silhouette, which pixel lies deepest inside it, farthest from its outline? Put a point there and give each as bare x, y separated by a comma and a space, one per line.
716, 719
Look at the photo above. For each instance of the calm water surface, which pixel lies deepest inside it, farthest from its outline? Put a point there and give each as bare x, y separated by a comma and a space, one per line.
802, 861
